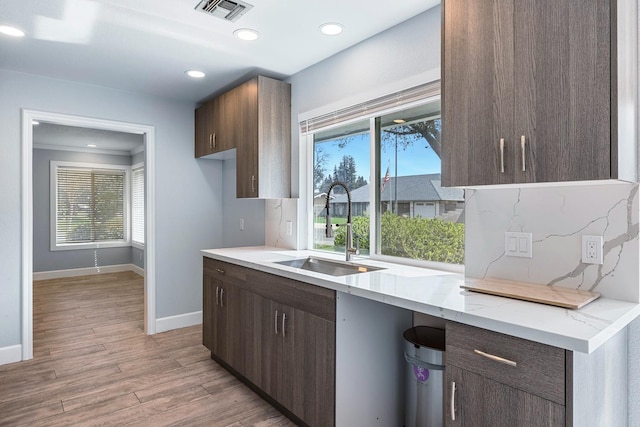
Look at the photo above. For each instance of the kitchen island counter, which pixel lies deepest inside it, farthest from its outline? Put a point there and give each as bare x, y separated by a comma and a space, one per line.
438, 293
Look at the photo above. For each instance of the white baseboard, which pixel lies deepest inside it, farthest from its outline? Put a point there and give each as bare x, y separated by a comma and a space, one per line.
136, 269
74, 272
180, 321
10, 354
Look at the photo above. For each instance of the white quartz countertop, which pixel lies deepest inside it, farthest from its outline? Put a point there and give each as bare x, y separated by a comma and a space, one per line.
438, 293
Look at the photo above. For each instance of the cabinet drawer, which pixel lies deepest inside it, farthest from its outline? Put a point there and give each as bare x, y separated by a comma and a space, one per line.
230, 273
526, 365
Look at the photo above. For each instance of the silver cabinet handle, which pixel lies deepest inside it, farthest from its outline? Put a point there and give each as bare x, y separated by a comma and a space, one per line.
496, 358
210, 141
453, 401
253, 183
214, 140
221, 297
217, 295
501, 155
275, 323
284, 318
523, 142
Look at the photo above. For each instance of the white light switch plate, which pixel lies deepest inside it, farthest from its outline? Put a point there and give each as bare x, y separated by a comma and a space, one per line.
518, 244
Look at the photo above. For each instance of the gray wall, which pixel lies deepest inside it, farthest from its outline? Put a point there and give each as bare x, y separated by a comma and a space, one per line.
44, 259
137, 257
188, 191
403, 53
251, 210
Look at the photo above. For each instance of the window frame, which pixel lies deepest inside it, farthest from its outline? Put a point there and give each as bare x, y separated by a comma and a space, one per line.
134, 168
53, 203
374, 190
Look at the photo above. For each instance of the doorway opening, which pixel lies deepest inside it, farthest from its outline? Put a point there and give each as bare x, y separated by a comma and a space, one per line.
147, 134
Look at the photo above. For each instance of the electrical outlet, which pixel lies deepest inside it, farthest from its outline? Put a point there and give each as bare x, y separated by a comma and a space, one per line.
592, 249
241, 224
289, 228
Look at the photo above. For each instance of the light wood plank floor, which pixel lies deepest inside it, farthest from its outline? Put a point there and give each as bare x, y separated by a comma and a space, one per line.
93, 365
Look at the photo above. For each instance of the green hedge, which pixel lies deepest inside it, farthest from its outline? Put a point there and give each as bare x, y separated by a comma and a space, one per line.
430, 239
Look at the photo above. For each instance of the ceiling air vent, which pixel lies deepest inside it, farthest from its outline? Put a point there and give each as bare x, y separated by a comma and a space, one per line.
225, 9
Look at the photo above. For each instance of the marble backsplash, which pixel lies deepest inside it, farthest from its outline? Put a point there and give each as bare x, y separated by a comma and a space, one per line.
557, 217
278, 213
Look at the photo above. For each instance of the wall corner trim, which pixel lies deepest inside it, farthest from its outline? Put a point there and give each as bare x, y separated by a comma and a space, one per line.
179, 321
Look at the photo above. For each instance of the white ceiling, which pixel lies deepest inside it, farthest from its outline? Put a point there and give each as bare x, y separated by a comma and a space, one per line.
58, 137
146, 45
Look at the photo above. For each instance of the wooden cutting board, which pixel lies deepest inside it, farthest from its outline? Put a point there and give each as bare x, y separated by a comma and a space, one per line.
552, 295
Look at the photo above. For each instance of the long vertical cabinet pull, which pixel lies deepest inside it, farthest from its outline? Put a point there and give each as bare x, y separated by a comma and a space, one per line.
221, 297
214, 140
210, 141
217, 295
523, 142
501, 155
284, 319
253, 183
453, 400
275, 323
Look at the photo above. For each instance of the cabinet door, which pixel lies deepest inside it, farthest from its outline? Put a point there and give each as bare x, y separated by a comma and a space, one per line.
478, 90
247, 148
209, 312
563, 89
479, 401
255, 323
312, 373
204, 129
225, 121
229, 328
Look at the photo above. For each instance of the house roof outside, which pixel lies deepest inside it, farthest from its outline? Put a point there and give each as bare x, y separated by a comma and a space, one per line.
426, 187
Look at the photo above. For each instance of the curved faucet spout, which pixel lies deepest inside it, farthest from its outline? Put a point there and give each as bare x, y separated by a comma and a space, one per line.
350, 250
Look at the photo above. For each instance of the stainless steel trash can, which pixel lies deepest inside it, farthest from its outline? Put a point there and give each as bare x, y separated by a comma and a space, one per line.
424, 351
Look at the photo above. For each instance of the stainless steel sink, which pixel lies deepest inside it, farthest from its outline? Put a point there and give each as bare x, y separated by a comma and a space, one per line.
330, 267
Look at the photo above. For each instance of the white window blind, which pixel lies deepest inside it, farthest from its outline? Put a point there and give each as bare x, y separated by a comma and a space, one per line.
372, 107
137, 205
90, 205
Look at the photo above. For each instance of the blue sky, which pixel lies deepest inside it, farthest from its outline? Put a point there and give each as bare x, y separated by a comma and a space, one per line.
415, 160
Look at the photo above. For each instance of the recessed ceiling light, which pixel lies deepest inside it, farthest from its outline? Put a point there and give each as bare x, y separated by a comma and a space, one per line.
331, 28
35, 122
399, 121
246, 34
11, 31
91, 145
195, 74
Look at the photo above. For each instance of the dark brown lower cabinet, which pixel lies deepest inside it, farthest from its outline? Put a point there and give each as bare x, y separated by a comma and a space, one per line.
479, 401
223, 316
277, 333
492, 379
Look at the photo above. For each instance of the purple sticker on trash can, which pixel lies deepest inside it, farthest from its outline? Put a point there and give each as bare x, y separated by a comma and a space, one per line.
422, 374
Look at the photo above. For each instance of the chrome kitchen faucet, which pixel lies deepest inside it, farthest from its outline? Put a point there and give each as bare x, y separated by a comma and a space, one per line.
349, 250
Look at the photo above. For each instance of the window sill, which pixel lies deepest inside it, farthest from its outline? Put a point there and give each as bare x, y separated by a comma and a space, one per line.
93, 245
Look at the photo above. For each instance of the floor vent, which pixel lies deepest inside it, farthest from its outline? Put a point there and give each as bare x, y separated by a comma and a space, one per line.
226, 9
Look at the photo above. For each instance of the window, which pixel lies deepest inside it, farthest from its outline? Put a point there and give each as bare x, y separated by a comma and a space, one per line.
341, 154
137, 205
89, 205
388, 154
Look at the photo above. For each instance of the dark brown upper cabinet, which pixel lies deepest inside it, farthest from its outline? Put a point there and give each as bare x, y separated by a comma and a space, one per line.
255, 119
527, 91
